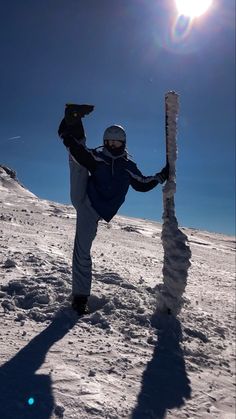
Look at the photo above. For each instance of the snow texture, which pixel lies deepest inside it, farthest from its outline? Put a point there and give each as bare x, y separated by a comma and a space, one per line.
123, 360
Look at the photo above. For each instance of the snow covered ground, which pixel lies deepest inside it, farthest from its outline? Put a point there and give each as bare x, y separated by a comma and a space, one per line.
123, 360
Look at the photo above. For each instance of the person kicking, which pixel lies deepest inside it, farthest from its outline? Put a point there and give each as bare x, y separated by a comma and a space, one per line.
99, 181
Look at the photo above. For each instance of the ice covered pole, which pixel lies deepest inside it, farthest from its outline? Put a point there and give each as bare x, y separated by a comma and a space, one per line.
177, 253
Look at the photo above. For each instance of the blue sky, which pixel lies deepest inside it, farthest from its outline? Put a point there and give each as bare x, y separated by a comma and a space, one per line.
122, 56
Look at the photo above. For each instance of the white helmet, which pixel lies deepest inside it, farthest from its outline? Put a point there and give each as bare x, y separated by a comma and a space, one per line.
115, 132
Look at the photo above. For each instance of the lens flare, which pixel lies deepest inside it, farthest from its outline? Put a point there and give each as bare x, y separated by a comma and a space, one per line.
181, 28
193, 8
182, 32
30, 401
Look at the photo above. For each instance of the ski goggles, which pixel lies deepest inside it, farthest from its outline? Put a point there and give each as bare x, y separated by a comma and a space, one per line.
113, 143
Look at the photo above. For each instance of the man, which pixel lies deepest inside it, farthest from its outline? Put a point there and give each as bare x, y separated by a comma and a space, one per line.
100, 179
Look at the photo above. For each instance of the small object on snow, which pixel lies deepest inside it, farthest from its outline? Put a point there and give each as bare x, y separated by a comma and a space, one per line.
20, 318
9, 264
43, 299
59, 411
92, 373
8, 305
4, 217
151, 340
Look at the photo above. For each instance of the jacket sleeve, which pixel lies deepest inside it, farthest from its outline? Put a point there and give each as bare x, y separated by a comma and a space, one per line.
75, 130
141, 183
81, 154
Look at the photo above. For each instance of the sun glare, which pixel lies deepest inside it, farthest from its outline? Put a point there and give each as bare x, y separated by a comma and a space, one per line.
193, 8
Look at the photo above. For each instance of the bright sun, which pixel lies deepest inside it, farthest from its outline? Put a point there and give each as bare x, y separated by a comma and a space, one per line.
193, 8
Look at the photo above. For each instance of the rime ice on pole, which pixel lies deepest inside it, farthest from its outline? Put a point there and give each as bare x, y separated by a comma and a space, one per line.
177, 253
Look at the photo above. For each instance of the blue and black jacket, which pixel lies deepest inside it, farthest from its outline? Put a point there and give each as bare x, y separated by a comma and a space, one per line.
110, 177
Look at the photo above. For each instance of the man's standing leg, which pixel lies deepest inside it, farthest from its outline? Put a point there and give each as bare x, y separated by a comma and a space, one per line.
86, 229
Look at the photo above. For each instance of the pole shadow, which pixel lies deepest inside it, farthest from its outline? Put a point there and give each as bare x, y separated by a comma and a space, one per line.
24, 394
165, 384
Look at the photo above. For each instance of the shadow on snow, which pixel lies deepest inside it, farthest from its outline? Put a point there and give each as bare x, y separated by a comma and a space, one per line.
23, 393
165, 384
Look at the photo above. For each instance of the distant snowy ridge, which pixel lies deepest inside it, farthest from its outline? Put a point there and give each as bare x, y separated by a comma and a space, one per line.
10, 184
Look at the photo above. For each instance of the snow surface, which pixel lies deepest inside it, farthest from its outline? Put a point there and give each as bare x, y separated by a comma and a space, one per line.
124, 359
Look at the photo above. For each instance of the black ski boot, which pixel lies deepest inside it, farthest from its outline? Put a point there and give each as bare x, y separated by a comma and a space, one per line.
79, 304
71, 125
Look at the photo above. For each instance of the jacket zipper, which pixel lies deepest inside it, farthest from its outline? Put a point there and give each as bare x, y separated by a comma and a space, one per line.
112, 167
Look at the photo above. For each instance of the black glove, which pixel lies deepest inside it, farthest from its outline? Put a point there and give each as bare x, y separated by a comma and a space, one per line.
74, 113
163, 175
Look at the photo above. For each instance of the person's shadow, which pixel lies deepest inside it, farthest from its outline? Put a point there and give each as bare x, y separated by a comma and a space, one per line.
165, 384
23, 393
